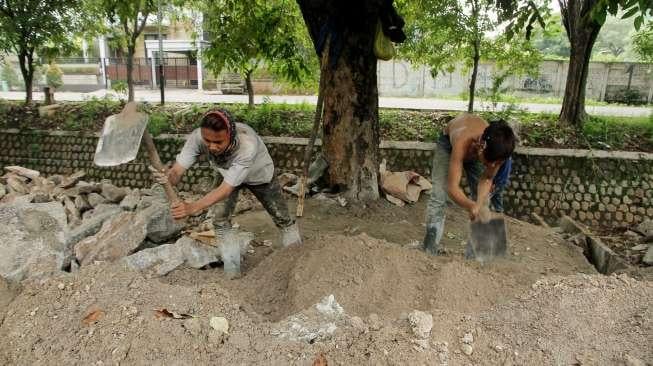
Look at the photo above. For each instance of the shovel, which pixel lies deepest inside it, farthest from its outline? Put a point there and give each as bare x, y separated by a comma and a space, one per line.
121, 139
488, 238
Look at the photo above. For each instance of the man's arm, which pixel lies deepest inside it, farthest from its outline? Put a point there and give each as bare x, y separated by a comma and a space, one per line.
182, 209
175, 173
485, 183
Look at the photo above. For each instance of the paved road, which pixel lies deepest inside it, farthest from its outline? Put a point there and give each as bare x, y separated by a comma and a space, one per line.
197, 96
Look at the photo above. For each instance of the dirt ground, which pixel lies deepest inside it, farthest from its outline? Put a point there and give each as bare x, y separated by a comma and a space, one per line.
543, 305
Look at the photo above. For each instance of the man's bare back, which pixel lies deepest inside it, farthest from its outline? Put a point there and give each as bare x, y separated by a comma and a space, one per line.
464, 131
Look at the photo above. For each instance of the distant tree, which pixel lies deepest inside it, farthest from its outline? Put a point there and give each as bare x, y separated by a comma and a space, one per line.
582, 20
643, 43
552, 40
245, 35
615, 38
445, 33
126, 20
31, 28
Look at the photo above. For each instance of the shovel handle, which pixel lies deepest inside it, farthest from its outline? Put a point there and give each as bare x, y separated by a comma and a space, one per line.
156, 163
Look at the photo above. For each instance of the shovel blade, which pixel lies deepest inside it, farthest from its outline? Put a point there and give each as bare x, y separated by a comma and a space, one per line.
121, 137
488, 239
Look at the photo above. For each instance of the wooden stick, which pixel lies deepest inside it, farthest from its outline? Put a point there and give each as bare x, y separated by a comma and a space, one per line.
316, 127
156, 163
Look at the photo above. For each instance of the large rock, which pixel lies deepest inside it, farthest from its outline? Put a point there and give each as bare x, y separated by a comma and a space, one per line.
71, 180
74, 217
24, 172
118, 238
648, 257
131, 200
315, 324
161, 260
646, 227
33, 239
160, 224
91, 224
421, 323
112, 193
82, 203
95, 199
17, 185
99, 209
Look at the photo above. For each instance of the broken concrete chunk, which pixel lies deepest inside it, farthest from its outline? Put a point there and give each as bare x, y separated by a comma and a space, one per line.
286, 179
112, 193
420, 323
82, 203
157, 261
56, 179
72, 212
27, 173
17, 185
95, 199
313, 324
71, 180
32, 239
646, 227
160, 224
118, 237
648, 257
40, 197
130, 202
86, 188
99, 209
91, 223
163, 259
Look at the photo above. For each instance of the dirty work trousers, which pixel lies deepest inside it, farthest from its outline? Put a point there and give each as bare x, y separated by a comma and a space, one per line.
435, 212
269, 194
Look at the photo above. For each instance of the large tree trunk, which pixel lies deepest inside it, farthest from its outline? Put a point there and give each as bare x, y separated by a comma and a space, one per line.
26, 63
351, 121
472, 82
250, 88
350, 141
582, 31
130, 70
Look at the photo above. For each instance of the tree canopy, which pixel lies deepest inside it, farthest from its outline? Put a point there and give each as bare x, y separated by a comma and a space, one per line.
244, 36
31, 28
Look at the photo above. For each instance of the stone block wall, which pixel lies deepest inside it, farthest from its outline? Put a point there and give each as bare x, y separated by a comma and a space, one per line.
598, 188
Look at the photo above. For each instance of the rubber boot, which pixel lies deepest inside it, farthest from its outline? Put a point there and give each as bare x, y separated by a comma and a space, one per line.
290, 236
230, 251
469, 251
431, 242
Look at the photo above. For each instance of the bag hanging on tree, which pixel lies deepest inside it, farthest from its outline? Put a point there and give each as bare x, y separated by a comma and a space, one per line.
383, 47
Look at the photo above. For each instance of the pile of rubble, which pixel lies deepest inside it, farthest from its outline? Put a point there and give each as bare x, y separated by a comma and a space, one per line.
62, 222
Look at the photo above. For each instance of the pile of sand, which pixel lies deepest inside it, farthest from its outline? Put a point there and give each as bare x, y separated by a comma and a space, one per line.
507, 312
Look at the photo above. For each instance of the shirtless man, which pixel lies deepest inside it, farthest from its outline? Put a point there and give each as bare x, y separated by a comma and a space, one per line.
483, 150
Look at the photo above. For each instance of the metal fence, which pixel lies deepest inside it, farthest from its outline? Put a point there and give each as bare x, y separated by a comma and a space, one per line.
178, 72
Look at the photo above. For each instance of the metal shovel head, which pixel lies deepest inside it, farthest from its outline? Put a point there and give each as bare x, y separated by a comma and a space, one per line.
121, 137
488, 239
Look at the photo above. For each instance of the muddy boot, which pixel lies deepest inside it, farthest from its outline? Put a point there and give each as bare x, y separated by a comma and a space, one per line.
230, 251
469, 251
290, 235
431, 243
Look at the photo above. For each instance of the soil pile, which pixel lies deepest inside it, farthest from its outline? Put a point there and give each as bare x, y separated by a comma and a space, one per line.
507, 312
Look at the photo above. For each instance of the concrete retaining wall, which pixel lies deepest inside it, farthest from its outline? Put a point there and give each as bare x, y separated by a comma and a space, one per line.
597, 188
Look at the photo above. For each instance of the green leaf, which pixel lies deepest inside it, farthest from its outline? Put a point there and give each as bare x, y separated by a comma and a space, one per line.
638, 22
630, 13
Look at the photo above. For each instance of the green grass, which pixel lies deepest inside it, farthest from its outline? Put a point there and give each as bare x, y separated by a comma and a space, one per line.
296, 120
518, 99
